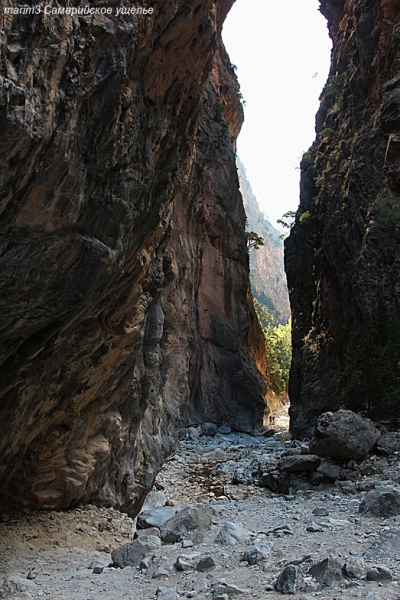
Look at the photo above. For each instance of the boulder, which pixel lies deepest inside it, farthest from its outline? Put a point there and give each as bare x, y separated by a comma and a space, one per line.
288, 580
387, 544
209, 429
327, 572
231, 533
255, 555
379, 573
329, 468
355, 568
154, 499
131, 554
192, 517
156, 517
388, 443
344, 435
206, 563
298, 462
381, 502
221, 588
224, 429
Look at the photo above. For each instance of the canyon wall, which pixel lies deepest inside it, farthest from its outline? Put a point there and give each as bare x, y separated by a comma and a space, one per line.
268, 278
343, 254
126, 310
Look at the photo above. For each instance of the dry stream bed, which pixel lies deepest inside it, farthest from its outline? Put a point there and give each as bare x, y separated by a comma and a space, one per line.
66, 555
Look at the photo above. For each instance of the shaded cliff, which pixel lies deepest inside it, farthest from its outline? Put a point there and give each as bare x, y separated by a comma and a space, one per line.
343, 254
268, 278
125, 302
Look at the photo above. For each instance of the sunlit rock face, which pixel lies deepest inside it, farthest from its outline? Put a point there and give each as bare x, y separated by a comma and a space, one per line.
268, 278
125, 304
343, 255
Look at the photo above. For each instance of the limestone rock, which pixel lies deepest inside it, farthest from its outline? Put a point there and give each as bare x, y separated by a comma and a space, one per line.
379, 573
387, 544
381, 502
220, 588
327, 572
320, 511
388, 443
355, 568
154, 499
156, 517
192, 518
255, 555
292, 464
288, 580
206, 563
132, 553
224, 429
329, 468
231, 533
344, 435
209, 429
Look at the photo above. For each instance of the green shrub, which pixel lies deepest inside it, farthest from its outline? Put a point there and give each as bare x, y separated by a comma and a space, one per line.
277, 348
396, 97
306, 160
327, 132
338, 83
338, 87
170, 322
304, 216
387, 206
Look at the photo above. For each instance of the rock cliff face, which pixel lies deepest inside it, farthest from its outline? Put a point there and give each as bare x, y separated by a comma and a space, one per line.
268, 278
343, 255
125, 302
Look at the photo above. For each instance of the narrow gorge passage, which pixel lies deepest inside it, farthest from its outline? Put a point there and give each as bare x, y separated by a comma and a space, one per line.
132, 359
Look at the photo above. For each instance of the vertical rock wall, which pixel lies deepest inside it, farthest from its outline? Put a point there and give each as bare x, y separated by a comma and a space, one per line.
125, 308
343, 255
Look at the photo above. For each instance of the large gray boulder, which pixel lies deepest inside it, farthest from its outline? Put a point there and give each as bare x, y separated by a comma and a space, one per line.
300, 462
381, 502
191, 518
344, 435
327, 572
156, 517
288, 580
231, 533
387, 544
132, 553
389, 443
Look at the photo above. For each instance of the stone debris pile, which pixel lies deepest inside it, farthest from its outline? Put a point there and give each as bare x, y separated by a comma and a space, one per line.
213, 529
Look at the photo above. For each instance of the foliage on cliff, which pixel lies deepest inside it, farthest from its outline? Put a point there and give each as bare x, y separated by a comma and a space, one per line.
277, 347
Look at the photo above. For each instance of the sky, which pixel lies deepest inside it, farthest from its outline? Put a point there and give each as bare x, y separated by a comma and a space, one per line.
282, 54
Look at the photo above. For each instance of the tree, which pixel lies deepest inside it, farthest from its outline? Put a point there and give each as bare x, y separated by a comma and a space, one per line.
254, 241
277, 347
287, 221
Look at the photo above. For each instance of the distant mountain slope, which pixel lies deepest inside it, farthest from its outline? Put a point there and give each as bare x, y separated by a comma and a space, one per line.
268, 279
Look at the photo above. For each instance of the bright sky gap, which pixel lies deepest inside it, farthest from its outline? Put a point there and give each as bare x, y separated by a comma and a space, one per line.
282, 54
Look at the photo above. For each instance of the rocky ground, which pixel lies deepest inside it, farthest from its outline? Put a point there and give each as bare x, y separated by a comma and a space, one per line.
245, 538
